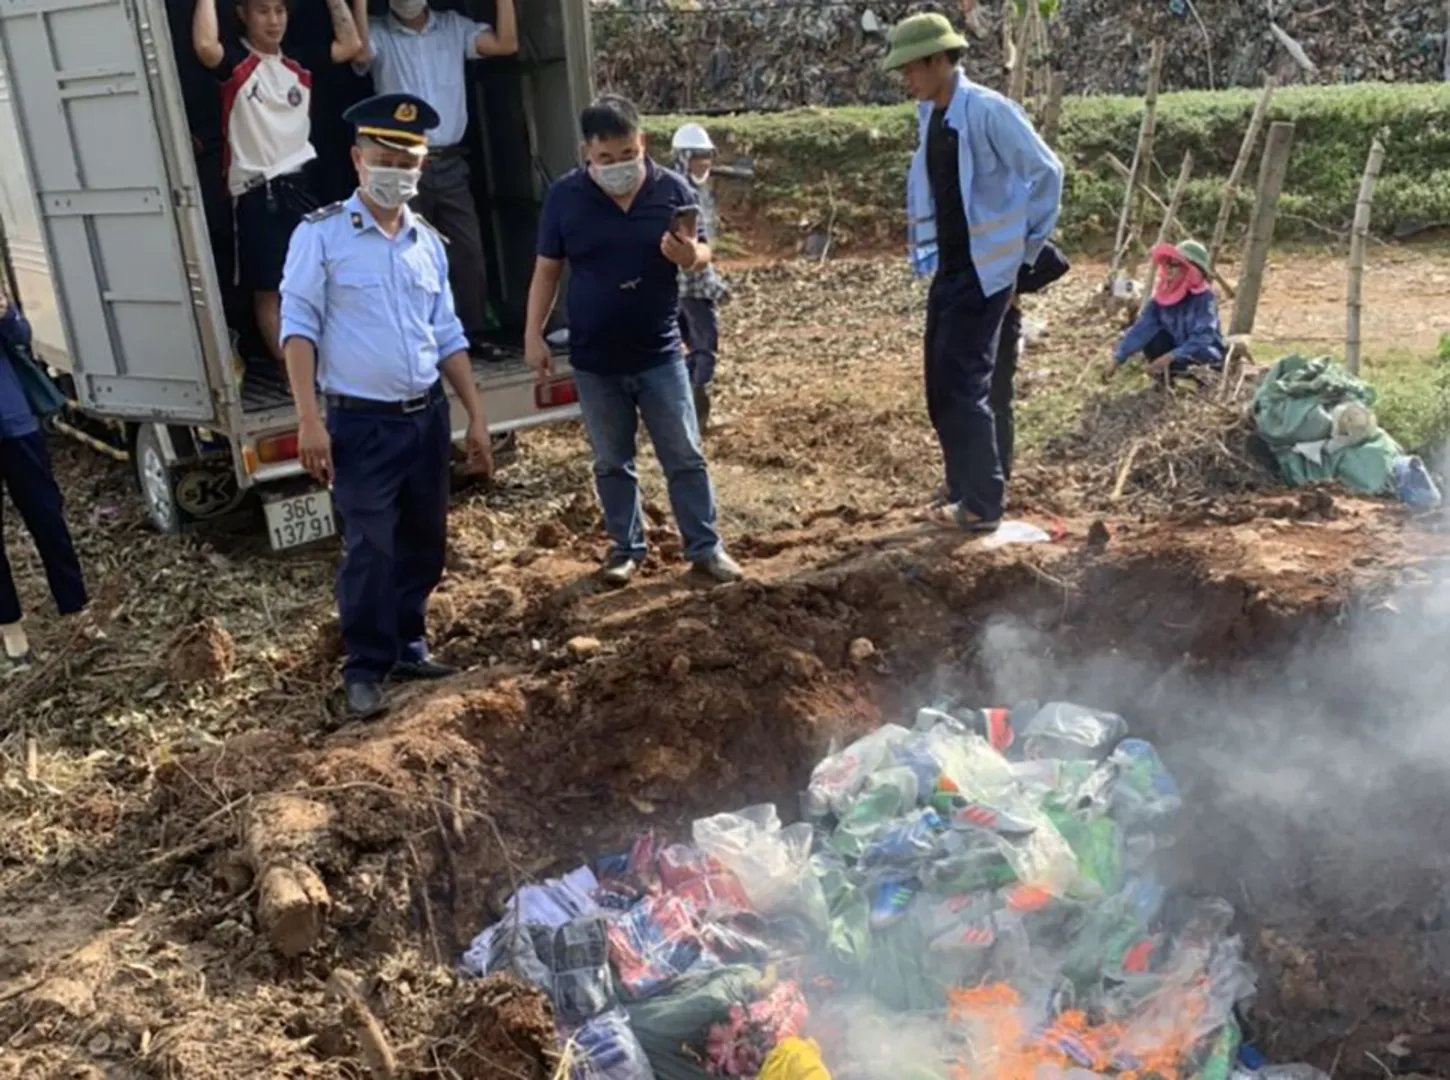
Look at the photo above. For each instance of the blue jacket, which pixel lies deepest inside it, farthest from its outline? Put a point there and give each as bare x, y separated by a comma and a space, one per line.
1011, 187
1192, 323
17, 416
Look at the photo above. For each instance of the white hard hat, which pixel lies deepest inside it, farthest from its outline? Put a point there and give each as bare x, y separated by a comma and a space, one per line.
692, 137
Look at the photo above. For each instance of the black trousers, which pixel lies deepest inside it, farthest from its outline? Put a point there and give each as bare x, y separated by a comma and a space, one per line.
962, 331
445, 198
25, 474
1004, 375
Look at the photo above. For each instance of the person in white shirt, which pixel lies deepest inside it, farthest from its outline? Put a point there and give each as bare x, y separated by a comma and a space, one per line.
416, 50
266, 98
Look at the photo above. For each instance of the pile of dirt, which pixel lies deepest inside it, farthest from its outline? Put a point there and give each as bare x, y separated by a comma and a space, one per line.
720, 55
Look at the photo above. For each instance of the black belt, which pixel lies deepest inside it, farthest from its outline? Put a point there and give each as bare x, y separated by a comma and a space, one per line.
431, 396
455, 151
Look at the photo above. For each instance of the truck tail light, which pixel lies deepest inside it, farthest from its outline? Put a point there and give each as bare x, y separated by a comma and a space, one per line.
277, 448
555, 394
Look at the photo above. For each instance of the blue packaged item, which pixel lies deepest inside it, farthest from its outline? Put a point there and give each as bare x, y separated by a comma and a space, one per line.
889, 900
906, 842
1413, 484
1251, 1058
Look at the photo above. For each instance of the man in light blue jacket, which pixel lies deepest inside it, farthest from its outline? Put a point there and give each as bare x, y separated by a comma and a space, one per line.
982, 198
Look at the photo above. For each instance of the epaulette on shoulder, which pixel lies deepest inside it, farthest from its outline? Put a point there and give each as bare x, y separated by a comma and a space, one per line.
421, 220
324, 212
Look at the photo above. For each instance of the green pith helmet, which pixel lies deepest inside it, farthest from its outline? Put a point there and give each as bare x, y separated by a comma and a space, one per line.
919, 36
1195, 253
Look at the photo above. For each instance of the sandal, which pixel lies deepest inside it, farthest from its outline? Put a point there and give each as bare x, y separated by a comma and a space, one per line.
956, 516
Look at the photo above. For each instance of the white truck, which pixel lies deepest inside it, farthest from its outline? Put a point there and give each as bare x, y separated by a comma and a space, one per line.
106, 181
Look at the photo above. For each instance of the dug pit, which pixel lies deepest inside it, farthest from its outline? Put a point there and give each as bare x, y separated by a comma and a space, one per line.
1297, 699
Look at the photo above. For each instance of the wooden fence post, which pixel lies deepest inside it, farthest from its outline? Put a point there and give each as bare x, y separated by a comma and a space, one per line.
1052, 111
1140, 168
1357, 237
1272, 167
1170, 221
1241, 165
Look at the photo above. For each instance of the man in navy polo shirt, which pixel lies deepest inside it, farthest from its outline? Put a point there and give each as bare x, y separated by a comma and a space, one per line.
615, 224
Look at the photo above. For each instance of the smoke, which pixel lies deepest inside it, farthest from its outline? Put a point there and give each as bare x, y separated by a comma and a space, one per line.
1313, 774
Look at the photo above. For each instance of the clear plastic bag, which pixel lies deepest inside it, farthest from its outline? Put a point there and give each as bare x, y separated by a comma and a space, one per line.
654, 943
1063, 730
771, 863
1144, 791
837, 779
605, 1048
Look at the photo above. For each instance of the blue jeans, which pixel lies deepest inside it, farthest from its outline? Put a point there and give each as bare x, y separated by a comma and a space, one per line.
613, 406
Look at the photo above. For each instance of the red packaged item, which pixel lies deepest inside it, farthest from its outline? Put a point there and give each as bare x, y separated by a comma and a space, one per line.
714, 891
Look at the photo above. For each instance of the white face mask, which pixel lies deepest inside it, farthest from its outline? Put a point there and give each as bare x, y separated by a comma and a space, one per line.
620, 178
390, 188
408, 9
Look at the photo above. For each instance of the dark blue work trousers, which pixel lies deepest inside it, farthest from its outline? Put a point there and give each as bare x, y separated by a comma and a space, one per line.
25, 474
390, 484
962, 330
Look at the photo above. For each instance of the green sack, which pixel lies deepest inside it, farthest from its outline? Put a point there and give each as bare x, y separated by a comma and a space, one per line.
1295, 404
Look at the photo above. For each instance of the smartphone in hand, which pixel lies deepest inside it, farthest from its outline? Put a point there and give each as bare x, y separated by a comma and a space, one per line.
686, 222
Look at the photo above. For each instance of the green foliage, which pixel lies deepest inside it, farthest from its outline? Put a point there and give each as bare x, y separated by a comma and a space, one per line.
864, 151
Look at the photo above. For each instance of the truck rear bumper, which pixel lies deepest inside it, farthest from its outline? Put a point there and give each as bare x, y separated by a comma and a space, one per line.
510, 397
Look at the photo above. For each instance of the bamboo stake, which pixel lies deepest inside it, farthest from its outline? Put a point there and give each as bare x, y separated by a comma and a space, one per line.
1272, 167
1009, 45
1052, 112
1138, 171
1017, 89
1170, 219
1241, 166
1122, 170
1356, 252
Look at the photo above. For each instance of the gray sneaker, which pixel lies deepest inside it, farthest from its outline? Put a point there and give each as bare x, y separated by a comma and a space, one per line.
720, 568
618, 571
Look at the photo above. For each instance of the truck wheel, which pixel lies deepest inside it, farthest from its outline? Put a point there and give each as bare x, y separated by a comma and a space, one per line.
156, 481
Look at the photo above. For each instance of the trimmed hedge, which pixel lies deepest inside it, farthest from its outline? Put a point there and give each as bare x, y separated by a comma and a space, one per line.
807, 158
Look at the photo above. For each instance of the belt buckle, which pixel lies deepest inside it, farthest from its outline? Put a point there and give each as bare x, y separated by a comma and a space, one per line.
415, 405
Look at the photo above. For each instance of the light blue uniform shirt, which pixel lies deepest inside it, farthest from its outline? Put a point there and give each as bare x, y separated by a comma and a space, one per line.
378, 309
1011, 186
427, 63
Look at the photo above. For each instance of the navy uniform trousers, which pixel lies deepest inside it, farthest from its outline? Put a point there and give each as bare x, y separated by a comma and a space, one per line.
25, 474
390, 485
962, 331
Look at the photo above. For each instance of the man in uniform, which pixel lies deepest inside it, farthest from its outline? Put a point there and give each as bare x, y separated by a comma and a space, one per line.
982, 199
367, 314
417, 50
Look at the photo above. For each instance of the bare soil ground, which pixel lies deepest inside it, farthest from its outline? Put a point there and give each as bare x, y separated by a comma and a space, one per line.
173, 776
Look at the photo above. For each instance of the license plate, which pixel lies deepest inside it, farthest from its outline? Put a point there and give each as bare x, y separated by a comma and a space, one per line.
302, 519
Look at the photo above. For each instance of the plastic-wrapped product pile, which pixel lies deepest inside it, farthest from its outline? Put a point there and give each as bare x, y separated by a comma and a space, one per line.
975, 892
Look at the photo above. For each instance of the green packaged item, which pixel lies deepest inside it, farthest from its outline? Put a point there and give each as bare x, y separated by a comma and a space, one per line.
1098, 845
1219, 1063
889, 794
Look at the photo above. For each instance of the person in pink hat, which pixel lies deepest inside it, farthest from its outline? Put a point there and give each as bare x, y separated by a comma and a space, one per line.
1178, 327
